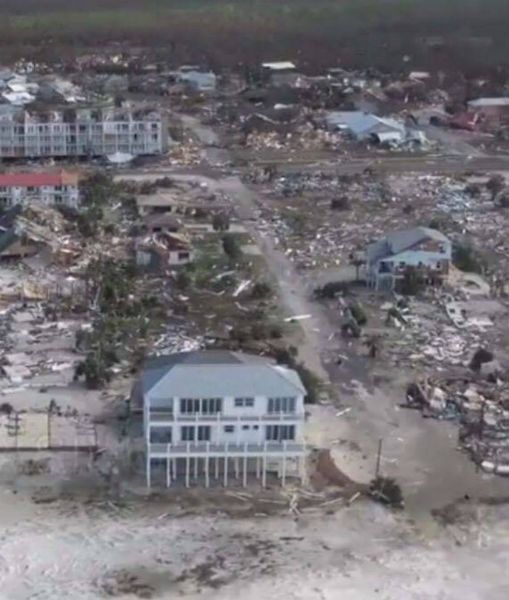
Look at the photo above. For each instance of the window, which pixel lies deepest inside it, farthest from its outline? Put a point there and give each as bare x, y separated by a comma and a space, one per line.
204, 433
160, 435
211, 406
191, 434
246, 402
183, 255
187, 434
245, 427
201, 406
189, 406
229, 429
279, 433
281, 405
255, 427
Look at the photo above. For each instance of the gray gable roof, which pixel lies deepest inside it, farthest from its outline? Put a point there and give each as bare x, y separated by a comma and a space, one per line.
211, 374
398, 241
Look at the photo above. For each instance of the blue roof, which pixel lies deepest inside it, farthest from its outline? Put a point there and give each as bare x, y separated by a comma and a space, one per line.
215, 374
399, 241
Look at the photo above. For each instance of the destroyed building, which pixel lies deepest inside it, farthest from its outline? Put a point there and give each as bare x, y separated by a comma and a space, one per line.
197, 79
209, 407
492, 110
12, 245
57, 89
163, 248
58, 188
85, 132
425, 250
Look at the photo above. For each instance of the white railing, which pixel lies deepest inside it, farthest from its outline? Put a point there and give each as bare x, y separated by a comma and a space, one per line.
286, 447
158, 416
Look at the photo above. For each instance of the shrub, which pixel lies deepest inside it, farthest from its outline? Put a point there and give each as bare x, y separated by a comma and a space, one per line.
503, 200
412, 283
239, 335
473, 189
221, 222
259, 331
331, 290
231, 247
495, 185
358, 314
480, 357
341, 203
312, 383
276, 332
261, 289
182, 280
387, 491
465, 258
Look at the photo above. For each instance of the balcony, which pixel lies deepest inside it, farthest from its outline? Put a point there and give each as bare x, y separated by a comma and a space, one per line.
162, 416
204, 449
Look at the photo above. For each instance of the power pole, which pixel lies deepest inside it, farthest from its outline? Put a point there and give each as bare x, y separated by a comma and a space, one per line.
378, 458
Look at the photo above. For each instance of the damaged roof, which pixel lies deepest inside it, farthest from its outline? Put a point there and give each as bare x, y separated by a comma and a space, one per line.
217, 373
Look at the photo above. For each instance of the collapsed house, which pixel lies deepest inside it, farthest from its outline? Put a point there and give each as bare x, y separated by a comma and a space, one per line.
282, 73
165, 248
490, 110
58, 188
82, 132
197, 79
178, 201
26, 230
13, 245
56, 89
213, 409
480, 406
426, 251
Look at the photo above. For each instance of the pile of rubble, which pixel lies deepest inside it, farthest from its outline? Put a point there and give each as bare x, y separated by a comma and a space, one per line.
305, 137
482, 409
185, 154
442, 332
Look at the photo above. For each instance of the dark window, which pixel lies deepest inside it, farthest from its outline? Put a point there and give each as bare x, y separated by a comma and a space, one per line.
229, 428
247, 402
281, 405
245, 427
187, 434
279, 433
192, 434
204, 433
204, 406
160, 435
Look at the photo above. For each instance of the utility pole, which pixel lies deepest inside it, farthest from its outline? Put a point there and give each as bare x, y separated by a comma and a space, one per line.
378, 458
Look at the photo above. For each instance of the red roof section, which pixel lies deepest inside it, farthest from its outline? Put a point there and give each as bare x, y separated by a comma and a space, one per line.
37, 179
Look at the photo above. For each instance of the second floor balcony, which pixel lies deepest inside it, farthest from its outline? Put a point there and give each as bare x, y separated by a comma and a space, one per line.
160, 416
